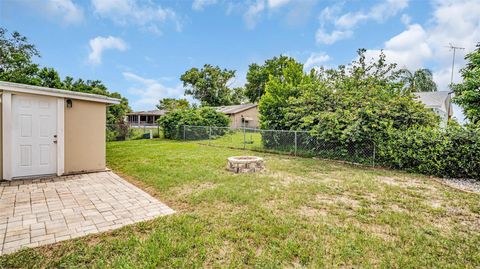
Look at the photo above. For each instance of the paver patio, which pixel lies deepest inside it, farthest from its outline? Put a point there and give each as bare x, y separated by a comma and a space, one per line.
44, 211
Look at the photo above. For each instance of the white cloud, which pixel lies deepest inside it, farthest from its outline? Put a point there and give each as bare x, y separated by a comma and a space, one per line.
99, 44
147, 15
329, 38
277, 3
253, 13
343, 25
201, 4
387, 9
408, 49
316, 59
419, 46
66, 11
150, 91
297, 12
406, 19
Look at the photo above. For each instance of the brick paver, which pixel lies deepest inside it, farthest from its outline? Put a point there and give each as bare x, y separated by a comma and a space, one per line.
44, 211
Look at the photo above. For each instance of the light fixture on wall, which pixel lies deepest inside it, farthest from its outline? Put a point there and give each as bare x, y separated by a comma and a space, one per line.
69, 103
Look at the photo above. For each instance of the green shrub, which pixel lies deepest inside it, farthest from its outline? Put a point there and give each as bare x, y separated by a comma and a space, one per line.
454, 152
172, 122
118, 132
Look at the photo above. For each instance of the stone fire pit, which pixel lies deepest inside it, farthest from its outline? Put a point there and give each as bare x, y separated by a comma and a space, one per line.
245, 164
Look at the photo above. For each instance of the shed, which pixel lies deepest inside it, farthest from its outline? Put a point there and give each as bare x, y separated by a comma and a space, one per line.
46, 131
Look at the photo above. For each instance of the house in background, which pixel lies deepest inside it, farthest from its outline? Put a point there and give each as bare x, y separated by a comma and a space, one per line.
439, 102
46, 131
144, 118
245, 115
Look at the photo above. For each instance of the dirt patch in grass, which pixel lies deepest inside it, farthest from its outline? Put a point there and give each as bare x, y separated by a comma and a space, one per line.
341, 199
408, 183
383, 232
397, 208
285, 179
309, 211
434, 203
276, 206
193, 188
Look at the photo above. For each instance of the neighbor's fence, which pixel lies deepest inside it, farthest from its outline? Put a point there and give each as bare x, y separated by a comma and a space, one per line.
298, 143
123, 132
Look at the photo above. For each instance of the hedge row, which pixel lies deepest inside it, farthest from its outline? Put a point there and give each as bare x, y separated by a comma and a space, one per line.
452, 153
173, 122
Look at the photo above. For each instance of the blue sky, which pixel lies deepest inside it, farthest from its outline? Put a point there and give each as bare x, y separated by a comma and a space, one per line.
140, 48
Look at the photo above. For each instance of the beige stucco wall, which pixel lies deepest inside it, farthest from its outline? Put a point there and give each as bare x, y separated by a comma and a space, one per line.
236, 119
85, 136
1, 132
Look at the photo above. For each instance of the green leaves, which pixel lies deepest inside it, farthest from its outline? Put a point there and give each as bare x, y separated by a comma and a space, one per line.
171, 104
419, 81
467, 94
204, 116
454, 152
259, 75
209, 85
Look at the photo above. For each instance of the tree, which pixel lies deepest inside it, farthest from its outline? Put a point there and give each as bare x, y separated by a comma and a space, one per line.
49, 78
171, 104
259, 75
419, 81
467, 94
16, 55
356, 104
16, 65
209, 85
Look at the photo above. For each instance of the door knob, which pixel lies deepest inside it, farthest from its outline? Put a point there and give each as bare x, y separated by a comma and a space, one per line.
55, 139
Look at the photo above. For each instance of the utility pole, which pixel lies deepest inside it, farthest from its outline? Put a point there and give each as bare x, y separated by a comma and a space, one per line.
454, 48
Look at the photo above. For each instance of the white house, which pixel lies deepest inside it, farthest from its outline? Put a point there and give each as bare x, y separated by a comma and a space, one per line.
439, 102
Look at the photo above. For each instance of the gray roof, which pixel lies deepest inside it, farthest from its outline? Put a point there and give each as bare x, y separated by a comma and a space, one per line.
234, 109
440, 100
149, 112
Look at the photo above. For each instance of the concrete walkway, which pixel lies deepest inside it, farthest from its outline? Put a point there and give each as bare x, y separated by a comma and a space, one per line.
44, 211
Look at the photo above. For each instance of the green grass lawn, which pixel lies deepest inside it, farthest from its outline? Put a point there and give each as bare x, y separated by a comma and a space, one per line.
298, 213
236, 138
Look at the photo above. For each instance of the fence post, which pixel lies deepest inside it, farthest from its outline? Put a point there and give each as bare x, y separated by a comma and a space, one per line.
158, 130
295, 143
244, 137
184, 138
374, 149
209, 134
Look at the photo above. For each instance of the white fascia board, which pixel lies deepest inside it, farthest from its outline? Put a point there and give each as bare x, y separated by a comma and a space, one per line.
29, 89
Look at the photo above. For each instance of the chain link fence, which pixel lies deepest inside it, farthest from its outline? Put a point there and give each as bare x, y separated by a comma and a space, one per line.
124, 131
298, 143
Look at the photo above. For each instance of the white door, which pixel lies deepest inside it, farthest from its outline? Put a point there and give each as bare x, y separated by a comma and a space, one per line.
34, 130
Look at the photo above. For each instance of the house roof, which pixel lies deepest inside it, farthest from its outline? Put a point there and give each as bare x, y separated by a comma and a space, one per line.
234, 109
440, 100
24, 88
149, 112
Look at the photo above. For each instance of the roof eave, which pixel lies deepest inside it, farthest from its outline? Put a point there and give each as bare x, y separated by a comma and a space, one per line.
24, 88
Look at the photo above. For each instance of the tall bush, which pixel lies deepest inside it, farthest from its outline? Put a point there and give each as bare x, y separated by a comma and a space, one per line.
345, 110
454, 152
205, 116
